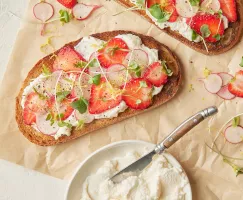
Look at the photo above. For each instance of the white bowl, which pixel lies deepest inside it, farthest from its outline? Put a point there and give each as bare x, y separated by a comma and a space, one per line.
97, 159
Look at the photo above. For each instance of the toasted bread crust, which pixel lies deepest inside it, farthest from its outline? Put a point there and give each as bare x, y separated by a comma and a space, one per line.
231, 37
169, 90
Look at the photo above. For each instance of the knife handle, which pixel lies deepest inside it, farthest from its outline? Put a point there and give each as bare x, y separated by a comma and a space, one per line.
185, 127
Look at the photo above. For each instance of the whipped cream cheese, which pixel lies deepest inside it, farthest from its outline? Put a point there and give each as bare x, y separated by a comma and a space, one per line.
86, 47
160, 180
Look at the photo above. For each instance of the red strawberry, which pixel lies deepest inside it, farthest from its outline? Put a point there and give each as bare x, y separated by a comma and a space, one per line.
166, 5
34, 103
66, 59
103, 97
29, 116
236, 85
156, 74
215, 25
229, 9
68, 3
113, 53
138, 94
64, 107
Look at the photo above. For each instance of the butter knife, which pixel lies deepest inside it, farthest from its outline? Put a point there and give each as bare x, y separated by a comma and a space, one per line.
137, 167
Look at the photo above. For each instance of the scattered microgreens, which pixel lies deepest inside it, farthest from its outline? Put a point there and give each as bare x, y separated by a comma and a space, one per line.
134, 67
206, 72
50, 118
220, 13
64, 124
80, 105
62, 95
80, 64
94, 63
142, 84
45, 70
217, 37
236, 121
59, 116
194, 2
95, 79
41, 96
140, 3
241, 64
168, 71
194, 35
113, 50
138, 102
64, 17
47, 44
156, 11
80, 125
191, 88
68, 80
205, 31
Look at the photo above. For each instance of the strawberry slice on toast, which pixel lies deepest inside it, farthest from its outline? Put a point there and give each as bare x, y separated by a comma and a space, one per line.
67, 59
213, 24
138, 94
156, 74
229, 9
114, 52
236, 85
29, 116
103, 97
68, 3
34, 103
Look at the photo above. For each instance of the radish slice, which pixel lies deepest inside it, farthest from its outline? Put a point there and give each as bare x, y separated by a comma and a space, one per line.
86, 117
213, 83
208, 5
45, 126
43, 11
82, 11
137, 56
86, 87
117, 74
225, 77
184, 8
225, 94
234, 135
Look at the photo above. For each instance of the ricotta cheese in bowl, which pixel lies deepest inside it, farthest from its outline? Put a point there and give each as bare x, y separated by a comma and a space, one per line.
164, 178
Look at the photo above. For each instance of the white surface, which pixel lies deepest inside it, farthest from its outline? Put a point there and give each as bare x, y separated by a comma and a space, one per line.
97, 159
18, 183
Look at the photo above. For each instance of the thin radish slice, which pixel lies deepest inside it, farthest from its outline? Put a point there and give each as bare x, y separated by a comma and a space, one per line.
118, 75
43, 11
225, 77
225, 94
208, 5
82, 11
45, 126
137, 56
184, 8
234, 135
86, 117
85, 89
213, 83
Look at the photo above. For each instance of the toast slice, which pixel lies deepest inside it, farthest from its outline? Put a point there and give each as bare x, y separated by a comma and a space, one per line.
169, 91
231, 37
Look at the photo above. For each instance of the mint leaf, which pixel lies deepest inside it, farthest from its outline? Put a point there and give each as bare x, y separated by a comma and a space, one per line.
194, 2
63, 124
62, 95
205, 31
156, 11
194, 35
95, 79
45, 70
80, 105
65, 16
241, 64
236, 121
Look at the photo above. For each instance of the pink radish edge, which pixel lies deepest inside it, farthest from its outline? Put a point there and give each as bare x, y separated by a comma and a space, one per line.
94, 7
223, 75
225, 94
229, 131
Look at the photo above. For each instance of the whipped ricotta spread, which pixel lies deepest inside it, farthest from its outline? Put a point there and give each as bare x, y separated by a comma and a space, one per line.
160, 180
86, 47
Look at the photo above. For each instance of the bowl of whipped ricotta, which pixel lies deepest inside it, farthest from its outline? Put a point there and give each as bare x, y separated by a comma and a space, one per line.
163, 179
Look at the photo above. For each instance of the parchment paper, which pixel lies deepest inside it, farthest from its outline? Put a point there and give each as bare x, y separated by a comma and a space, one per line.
210, 177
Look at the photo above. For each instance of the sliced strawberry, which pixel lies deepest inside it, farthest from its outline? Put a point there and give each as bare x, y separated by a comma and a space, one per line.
68, 3
236, 85
34, 103
138, 94
156, 74
166, 5
66, 59
29, 116
113, 53
215, 25
64, 108
103, 97
229, 9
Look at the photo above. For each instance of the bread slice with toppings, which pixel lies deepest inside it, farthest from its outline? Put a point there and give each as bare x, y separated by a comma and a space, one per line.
27, 104
231, 10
